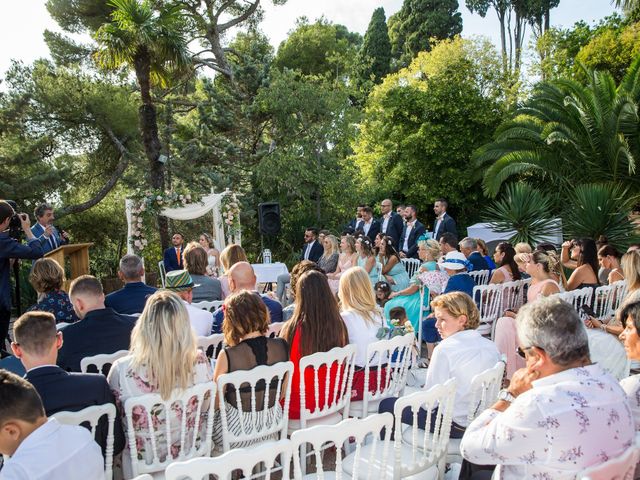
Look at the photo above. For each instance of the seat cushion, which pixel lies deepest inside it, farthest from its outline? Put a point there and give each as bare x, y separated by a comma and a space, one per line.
332, 419
380, 470
355, 408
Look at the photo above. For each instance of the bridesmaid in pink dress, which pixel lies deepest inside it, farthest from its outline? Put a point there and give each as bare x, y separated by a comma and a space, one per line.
542, 266
508, 270
347, 259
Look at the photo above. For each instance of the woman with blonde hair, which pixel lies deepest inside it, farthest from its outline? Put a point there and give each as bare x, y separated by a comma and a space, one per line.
462, 354
231, 255
47, 278
195, 262
363, 319
163, 358
328, 262
213, 255
347, 259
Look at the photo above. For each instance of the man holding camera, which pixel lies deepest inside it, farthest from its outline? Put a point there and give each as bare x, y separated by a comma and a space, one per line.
44, 230
11, 248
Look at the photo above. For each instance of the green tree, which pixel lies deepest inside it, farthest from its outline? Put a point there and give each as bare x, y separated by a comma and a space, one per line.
418, 22
375, 54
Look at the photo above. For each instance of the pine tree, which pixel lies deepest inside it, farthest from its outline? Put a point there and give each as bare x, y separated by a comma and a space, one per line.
376, 49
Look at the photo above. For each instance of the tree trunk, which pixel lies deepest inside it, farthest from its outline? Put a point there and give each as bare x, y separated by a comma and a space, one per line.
503, 43
149, 127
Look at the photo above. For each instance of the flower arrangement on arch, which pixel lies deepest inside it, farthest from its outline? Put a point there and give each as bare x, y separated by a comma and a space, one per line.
231, 214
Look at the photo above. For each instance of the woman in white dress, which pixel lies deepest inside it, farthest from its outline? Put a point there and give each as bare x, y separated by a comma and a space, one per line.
213, 255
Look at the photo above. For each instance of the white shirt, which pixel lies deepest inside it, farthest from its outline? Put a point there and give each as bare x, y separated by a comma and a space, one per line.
631, 386
362, 332
307, 250
462, 356
405, 246
385, 222
56, 452
567, 422
438, 223
366, 226
201, 320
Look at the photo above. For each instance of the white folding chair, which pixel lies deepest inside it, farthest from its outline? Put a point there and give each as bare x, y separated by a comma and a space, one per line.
483, 393
274, 329
214, 341
192, 439
620, 291
577, 298
488, 298
388, 363
368, 453
411, 265
209, 306
162, 272
92, 416
602, 301
261, 417
480, 277
99, 361
144, 476
336, 397
512, 297
621, 467
238, 463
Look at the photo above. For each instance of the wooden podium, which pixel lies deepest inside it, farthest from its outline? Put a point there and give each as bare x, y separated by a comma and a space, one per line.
78, 255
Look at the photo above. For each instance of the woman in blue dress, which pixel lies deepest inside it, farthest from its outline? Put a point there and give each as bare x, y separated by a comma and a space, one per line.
392, 268
409, 298
366, 258
47, 278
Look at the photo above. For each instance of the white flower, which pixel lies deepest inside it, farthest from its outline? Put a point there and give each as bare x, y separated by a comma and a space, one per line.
145, 242
138, 244
188, 196
181, 197
158, 198
228, 222
143, 207
230, 217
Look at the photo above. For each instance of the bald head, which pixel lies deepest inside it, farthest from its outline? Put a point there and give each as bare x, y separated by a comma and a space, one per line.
242, 277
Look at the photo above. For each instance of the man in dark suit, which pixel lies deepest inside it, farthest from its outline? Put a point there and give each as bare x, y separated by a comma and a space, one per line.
312, 251
100, 329
368, 225
133, 296
444, 222
36, 345
43, 230
391, 224
469, 246
412, 231
242, 277
351, 226
173, 255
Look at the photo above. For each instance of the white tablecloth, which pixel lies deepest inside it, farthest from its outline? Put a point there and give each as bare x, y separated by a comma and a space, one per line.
268, 272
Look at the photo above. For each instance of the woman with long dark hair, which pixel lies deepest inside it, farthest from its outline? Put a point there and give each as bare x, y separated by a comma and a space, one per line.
392, 268
367, 258
316, 326
507, 270
582, 256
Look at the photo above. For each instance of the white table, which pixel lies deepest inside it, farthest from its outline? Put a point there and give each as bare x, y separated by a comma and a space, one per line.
269, 272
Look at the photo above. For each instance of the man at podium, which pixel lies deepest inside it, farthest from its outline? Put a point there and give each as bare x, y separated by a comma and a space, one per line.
43, 230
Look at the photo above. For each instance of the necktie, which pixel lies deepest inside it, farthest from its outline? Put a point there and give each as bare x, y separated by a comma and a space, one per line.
52, 241
178, 255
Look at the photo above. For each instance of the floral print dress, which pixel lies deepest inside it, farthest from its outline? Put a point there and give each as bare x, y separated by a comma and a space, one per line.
58, 303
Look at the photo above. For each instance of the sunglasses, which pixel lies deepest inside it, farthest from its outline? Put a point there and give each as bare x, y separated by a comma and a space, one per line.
522, 352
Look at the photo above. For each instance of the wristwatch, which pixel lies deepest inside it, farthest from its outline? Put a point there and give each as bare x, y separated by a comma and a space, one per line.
506, 396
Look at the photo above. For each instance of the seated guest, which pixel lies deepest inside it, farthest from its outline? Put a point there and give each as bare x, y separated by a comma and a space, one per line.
507, 270
469, 246
582, 257
347, 259
195, 262
47, 278
363, 319
383, 291
316, 326
163, 357
367, 259
231, 255
133, 296
609, 259
173, 255
328, 262
213, 255
242, 277
38, 447
484, 251
391, 266
36, 344
522, 247
521, 262
630, 316
181, 283
100, 329
560, 414
448, 243
296, 272
247, 322
462, 354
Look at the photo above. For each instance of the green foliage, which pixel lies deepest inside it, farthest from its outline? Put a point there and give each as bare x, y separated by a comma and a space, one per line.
413, 28
375, 54
79, 15
523, 209
601, 209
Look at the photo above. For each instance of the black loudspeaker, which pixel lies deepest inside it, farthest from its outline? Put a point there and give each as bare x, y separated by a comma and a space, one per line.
269, 217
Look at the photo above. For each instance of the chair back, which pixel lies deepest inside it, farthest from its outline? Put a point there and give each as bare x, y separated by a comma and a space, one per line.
411, 265
162, 272
209, 306
367, 463
336, 397
512, 295
621, 467
484, 390
577, 298
92, 416
481, 277
603, 301
101, 361
388, 363
274, 329
238, 463
488, 298
261, 421
620, 291
425, 449
211, 345
192, 439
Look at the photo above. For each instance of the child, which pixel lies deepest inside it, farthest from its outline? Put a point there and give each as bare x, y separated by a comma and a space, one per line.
41, 448
383, 290
398, 314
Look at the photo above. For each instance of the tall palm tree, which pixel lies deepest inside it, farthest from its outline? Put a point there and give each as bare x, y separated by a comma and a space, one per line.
568, 133
151, 42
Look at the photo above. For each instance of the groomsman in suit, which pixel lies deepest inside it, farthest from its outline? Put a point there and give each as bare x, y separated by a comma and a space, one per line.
351, 226
391, 224
312, 250
368, 225
173, 255
412, 230
444, 222
43, 230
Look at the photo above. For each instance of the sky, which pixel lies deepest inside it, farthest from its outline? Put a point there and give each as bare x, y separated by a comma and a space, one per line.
23, 21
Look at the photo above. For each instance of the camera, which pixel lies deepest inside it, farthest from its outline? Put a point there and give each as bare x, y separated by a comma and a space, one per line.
15, 224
